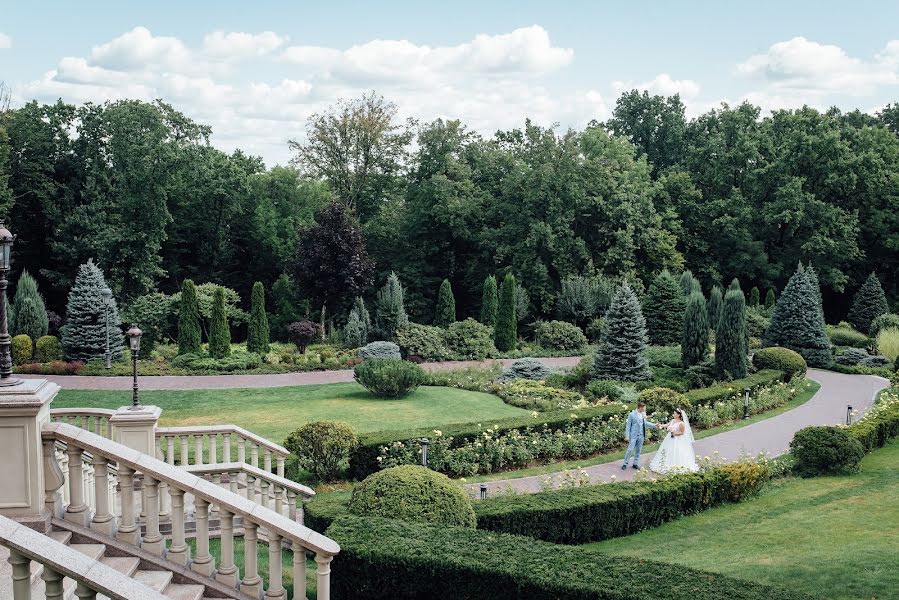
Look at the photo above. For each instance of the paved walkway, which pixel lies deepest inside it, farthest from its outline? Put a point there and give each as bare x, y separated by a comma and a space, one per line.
771, 436
214, 382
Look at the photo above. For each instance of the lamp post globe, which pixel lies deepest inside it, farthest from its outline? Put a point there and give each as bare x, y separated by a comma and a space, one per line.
6, 378
134, 334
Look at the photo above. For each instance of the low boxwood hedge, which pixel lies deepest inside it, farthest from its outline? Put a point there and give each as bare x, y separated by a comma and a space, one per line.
880, 424
364, 457
390, 559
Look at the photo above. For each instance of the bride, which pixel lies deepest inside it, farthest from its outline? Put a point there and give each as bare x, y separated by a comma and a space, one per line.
675, 455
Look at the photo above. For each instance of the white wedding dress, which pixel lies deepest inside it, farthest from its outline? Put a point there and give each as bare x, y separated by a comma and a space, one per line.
676, 454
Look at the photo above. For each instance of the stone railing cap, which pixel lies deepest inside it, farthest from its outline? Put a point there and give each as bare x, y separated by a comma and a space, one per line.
31, 393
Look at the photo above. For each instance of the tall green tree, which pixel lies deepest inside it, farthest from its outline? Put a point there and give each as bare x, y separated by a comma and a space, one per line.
730, 338
695, 339
506, 332
770, 299
28, 312
714, 306
445, 315
219, 330
654, 124
869, 303
663, 308
391, 310
84, 334
258, 332
489, 301
689, 283
582, 299
621, 353
798, 321
754, 297
190, 340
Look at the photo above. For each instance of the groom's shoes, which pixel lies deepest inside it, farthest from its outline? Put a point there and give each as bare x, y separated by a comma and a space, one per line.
635, 466
624, 466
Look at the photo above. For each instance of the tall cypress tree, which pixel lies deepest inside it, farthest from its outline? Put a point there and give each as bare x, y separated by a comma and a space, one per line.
755, 297
770, 299
869, 303
730, 336
391, 309
364, 318
84, 334
506, 331
257, 329
695, 339
621, 353
190, 340
798, 321
219, 332
688, 283
27, 313
445, 315
488, 302
663, 308
714, 307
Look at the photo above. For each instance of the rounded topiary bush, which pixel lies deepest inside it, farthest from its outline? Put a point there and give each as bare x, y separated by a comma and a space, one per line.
388, 378
664, 400
825, 451
781, 359
21, 348
380, 350
48, 349
322, 447
560, 335
470, 340
413, 493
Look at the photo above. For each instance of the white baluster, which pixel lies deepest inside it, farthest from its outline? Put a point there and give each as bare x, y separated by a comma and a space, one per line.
103, 520
179, 551
323, 577
198, 449
251, 585
299, 571
280, 466
226, 447
153, 541
76, 511
53, 589
227, 572
275, 567
185, 455
128, 531
202, 562
21, 575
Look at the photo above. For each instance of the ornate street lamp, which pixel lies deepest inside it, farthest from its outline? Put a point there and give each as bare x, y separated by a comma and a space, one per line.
6, 378
106, 294
134, 343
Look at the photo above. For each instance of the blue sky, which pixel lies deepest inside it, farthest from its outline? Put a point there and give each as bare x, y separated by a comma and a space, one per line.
256, 71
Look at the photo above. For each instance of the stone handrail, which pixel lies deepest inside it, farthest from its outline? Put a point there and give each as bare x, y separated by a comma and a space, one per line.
92, 577
261, 487
155, 473
166, 436
91, 419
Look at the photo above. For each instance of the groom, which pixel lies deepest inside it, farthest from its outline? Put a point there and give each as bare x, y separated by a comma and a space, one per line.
635, 433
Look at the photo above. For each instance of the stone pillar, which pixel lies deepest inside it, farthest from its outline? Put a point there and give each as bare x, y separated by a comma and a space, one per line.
24, 409
137, 428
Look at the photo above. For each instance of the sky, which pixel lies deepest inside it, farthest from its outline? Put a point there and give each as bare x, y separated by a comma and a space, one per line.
256, 71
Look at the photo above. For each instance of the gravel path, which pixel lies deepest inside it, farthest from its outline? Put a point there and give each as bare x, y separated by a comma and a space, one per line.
771, 436
214, 382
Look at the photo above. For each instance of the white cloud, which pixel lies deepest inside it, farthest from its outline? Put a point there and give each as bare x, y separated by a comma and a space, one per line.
240, 44
662, 84
5, 41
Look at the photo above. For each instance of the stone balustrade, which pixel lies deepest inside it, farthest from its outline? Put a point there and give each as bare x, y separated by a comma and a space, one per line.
196, 446
89, 475
91, 419
178, 483
59, 561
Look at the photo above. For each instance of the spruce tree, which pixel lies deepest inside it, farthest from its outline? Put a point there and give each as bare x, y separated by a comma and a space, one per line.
28, 314
219, 332
663, 308
506, 330
84, 334
445, 315
869, 303
695, 339
770, 299
354, 331
714, 307
390, 308
488, 302
730, 336
735, 287
364, 319
798, 321
688, 283
621, 354
755, 297
257, 328
190, 339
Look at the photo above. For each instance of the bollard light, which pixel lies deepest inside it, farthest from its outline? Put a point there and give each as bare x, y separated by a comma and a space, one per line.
849, 414
483, 491
746, 403
424, 452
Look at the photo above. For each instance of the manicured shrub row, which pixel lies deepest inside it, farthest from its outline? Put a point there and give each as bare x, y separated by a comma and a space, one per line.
781, 359
364, 457
233, 361
390, 559
723, 391
534, 395
599, 512
880, 424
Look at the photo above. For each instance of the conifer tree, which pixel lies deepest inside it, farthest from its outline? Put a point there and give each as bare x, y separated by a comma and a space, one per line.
621, 354
755, 297
27, 313
445, 315
695, 339
353, 332
735, 285
730, 336
663, 308
257, 328
869, 303
714, 307
84, 334
689, 283
219, 332
190, 339
770, 299
391, 310
360, 312
488, 302
506, 330
798, 321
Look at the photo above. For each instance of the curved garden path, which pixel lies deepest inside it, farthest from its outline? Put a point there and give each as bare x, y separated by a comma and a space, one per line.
214, 382
771, 436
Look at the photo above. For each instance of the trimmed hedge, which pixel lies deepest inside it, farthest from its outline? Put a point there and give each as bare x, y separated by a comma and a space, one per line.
390, 559
880, 424
364, 457
600, 512
781, 359
722, 391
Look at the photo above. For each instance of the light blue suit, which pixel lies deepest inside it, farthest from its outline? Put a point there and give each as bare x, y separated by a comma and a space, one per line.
636, 432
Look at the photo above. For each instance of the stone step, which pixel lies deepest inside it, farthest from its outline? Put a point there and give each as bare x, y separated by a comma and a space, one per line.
63, 537
178, 591
126, 565
92, 551
156, 580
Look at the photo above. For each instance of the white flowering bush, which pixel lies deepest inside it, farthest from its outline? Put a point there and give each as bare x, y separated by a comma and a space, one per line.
731, 408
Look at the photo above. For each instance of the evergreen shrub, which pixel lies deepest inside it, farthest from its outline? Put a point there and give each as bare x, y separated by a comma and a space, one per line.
322, 447
22, 349
48, 349
389, 378
781, 359
469, 340
560, 335
825, 451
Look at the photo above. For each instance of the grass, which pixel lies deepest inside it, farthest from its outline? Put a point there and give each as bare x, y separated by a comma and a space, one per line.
832, 537
810, 387
275, 412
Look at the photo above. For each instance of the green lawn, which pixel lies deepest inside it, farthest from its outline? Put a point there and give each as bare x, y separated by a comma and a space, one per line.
832, 537
275, 412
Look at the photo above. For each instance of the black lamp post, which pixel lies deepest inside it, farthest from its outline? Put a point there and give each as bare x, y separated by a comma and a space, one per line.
6, 378
424, 452
134, 343
849, 414
483, 491
106, 293
746, 403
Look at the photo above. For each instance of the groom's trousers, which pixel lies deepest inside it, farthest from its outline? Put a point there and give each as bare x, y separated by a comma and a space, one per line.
634, 448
